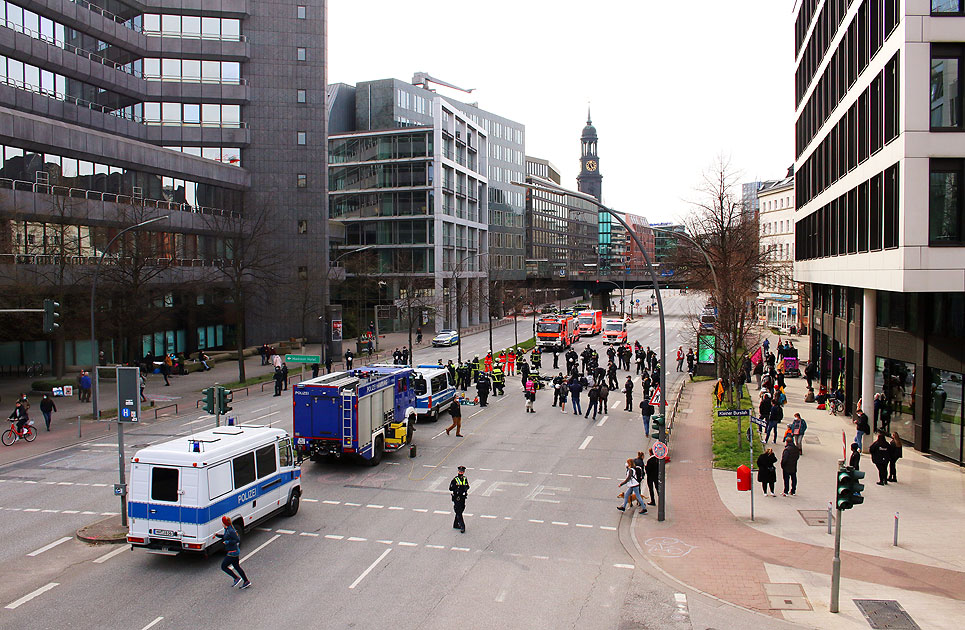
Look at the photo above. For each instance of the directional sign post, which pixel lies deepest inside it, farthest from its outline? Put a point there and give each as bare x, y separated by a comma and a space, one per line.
730, 413
303, 358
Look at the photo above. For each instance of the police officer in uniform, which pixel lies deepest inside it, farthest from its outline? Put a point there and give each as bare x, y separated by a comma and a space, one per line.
499, 380
482, 388
459, 487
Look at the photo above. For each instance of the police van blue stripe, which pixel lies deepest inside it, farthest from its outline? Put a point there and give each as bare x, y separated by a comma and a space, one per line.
202, 515
422, 402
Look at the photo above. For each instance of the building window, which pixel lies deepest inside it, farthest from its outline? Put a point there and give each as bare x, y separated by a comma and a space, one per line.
892, 100
301, 54
302, 12
946, 6
891, 207
945, 90
945, 202
302, 180
303, 226
301, 96
301, 137
303, 273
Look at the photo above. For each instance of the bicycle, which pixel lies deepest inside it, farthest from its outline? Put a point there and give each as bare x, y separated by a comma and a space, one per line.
11, 435
35, 370
835, 406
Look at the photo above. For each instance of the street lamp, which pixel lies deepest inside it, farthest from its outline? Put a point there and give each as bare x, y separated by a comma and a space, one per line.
456, 268
328, 325
94, 360
661, 506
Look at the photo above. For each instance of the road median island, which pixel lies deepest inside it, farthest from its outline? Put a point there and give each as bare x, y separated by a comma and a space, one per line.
107, 531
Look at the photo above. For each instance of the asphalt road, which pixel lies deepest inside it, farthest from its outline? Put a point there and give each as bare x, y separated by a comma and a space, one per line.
370, 547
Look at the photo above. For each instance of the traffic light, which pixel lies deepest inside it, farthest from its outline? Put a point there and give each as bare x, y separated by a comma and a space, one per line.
208, 394
657, 424
51, 316
849, 488
224, 397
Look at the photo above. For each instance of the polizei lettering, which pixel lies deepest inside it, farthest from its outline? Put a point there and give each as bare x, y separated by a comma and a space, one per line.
247, 496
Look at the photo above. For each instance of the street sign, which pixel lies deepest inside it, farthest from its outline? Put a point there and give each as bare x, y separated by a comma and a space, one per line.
128, 394
303, 358
655, 399
758, 421
659, 450
730, 413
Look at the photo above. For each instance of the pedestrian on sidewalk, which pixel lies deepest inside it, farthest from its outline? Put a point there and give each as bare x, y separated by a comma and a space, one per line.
632, 482
166, 371
328, 363
855, 460
680, 358
455, 410
564, 392
46, 407
348, 359
789, 466
284, 374
278, 378
810, 373
314, 370
798, 428
863, 426
893, 456
652, 470
767, 470
646, 410
84, 387
232, 559
881, 457
774, 416
459, 487
142, 382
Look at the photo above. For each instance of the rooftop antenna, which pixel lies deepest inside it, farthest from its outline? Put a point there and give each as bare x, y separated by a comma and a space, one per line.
423, 80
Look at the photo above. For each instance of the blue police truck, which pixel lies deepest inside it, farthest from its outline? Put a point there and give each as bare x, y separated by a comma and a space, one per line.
364, 413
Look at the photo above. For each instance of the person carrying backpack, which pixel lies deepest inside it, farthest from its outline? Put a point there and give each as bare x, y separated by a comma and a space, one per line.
632, 482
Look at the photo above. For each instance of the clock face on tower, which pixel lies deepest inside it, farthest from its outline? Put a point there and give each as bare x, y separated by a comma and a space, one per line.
590, 165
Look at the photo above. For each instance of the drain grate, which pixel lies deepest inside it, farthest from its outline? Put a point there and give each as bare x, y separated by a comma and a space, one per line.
786, 596
815, 518
886, 614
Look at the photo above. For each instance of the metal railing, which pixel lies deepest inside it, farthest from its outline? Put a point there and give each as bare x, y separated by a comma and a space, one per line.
80, 52
96, 195
78, 259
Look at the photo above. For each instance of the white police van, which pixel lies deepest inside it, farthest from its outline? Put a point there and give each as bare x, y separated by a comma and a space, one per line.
180, 489
433, 389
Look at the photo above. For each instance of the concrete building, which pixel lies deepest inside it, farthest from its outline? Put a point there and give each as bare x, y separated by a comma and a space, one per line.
411, 182
212, 115
879, 218
779, 297
664, 245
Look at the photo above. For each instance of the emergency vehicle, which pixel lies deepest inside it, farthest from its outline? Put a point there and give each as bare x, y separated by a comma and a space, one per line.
364, 412
591, 323
180, 489
615, 331
433, 391
557, 331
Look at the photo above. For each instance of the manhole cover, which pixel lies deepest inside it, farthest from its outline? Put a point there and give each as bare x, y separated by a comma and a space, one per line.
815, 518
786, 597
885, 613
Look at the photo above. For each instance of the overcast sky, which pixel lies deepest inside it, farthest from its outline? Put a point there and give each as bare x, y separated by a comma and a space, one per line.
672, 84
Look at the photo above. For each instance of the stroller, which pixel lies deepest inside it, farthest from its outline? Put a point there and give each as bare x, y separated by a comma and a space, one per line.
792, 366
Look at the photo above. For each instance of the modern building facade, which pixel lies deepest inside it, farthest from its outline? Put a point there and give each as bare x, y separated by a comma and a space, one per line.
880, 153
415, 191
779, 296
109, 116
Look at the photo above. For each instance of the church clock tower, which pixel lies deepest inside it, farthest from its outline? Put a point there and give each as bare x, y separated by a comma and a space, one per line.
590, 181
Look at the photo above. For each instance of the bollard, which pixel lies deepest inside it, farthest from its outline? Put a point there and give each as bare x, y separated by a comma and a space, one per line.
412, 450
829, 517
895, 544
78, 426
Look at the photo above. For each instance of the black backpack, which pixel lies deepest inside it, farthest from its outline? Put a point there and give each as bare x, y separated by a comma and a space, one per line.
638, 473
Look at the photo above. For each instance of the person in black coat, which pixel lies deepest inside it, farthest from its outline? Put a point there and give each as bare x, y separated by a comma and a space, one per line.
279, 379
789, 467
855, 461
767, 470
652, 470
880, 456
894, 456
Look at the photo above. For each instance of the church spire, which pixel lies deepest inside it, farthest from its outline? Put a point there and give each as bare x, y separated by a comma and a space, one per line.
588, 121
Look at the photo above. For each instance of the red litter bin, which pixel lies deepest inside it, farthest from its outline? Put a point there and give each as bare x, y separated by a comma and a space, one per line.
743, 478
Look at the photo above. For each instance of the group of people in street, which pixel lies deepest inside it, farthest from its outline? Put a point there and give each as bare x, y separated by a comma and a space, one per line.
640, 469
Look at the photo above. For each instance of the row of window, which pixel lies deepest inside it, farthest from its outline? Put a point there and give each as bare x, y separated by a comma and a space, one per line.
777, 251
826, 27
776, 204
946, 210
225, 155
380, 176
192, 71
506, 219
501, 174
801, 23
508, 197
416, 103
191, 26
18, 164
862, 41
505, 241
870, 123
866, 218
204, 114
398, 204
390, 233
392, 147
506, 154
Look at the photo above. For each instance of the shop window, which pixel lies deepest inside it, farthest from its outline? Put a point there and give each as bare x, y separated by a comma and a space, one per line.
945, 413
895, 412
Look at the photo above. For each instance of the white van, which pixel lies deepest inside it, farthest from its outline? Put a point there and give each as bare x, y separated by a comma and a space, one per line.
180, 489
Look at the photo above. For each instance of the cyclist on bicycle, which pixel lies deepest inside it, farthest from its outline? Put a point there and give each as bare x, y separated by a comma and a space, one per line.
20, 416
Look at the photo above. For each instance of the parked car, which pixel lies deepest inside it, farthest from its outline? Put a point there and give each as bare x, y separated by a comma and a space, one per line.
445, 338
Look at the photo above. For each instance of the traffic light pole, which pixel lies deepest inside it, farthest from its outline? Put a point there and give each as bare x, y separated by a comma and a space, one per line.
836, 564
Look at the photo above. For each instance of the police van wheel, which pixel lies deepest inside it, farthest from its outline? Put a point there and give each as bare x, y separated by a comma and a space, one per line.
377, 450
291, 508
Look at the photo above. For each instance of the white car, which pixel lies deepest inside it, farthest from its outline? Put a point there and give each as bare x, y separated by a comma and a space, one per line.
445, 338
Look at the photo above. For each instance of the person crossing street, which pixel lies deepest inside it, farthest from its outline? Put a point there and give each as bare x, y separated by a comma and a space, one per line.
459, 487
232, 545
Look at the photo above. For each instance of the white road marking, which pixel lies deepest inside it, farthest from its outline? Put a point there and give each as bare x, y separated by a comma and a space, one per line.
153, 623
59, 541
486, 516
533, 520
525, 472
195, 421
585, 476
86, 512
396, 507
376, 507
51, 511
331, 502
263, 529
585, 443
334, 537
486, 469
384, 542
419, 510
560, 523
26, 598
261, 546
435, 547
408, 544
99, 485
65, 483
583, 525
615, 405
440, 512
31, 509
285, 531
540, 557
564, 474
71, 512
438, 434
602, 421
353, 504
371, 566
110, 554
310, 500
623, 566
459, 548
608, 528
356, 539
311, 534
106, 445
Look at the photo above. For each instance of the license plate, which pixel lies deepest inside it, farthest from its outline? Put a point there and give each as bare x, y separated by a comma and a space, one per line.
165, 532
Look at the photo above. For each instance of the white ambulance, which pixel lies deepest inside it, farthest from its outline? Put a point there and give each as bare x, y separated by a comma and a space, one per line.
180, 489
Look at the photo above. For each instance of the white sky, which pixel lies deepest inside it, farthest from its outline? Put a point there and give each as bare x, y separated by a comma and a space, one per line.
672, 84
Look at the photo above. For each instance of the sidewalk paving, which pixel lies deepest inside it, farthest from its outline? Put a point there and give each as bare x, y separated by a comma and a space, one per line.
708, 543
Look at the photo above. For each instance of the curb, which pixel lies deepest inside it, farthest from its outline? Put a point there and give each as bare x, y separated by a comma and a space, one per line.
107, 531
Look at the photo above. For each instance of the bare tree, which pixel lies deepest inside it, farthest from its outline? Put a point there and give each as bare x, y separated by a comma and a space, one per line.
732, 242
415, 296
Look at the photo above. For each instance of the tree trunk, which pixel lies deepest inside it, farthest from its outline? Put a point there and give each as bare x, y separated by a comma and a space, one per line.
240, 341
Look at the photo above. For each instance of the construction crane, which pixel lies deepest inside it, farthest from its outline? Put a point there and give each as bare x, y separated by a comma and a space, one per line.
423, 80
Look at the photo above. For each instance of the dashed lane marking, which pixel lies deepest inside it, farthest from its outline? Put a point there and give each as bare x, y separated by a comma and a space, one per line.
371, 566
585, 443
623, 566
602, 421
110, 554
59, 541
153, 623
26, 598
285, 531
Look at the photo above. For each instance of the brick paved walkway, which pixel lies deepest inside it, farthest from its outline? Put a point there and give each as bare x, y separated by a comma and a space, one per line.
725, 557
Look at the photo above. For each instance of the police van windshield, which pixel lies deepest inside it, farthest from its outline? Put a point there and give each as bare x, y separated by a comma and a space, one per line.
420, 386
615, 326
548, 327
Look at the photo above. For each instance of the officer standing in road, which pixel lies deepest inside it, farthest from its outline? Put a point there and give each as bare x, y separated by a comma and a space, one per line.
499, 380
482, 388
628, 390
459, 487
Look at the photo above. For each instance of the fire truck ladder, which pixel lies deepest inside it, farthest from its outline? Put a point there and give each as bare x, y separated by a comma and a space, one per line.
348, 418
